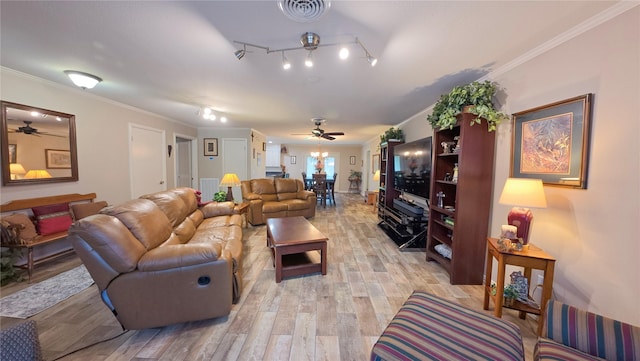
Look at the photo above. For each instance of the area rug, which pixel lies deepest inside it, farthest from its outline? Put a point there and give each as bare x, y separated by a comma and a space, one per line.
40, 296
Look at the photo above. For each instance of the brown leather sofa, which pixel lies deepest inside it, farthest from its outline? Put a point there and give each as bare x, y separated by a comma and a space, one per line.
159, 259
277, 198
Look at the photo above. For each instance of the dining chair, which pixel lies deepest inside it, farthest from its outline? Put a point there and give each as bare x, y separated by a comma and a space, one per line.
333, 188
320, 188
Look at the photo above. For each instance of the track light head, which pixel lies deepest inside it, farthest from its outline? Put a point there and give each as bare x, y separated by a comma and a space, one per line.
240, 53
373, 61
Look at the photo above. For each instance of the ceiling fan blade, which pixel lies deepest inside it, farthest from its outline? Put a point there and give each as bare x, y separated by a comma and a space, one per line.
334, 133
327, 136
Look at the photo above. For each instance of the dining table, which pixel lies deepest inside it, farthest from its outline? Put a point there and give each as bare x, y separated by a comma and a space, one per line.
309, 182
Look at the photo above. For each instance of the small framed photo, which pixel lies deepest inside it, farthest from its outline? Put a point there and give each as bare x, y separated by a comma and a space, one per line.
551, 142
352, 160
13, 155
375, 163
58, 159
210, 147
264, 146
293, 159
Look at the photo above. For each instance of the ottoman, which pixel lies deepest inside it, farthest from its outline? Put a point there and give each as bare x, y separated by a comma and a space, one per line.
428, 327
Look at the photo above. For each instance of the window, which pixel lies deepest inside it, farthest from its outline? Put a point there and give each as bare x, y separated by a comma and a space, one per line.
328, 166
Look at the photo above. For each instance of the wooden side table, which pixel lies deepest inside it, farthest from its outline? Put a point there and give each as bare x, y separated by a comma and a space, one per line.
531, 258
241, 209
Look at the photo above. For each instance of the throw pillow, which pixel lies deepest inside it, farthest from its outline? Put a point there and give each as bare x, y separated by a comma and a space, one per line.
82, 210
27, 229
52, 219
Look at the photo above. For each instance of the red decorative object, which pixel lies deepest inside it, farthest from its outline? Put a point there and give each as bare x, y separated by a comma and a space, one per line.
521, 218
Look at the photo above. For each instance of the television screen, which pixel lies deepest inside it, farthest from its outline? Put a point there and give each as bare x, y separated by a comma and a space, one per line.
412, 167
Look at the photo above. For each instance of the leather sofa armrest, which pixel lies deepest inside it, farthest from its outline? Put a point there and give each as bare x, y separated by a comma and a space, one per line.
305, 195
179, 255
214, 209
251, 197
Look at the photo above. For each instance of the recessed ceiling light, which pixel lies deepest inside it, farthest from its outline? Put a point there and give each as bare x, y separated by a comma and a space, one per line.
344, 53
83, 80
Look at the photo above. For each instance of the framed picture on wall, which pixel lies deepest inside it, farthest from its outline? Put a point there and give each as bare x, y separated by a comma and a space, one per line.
375, 163
551, 142
293, 159
58, 159
352, 160
210, 147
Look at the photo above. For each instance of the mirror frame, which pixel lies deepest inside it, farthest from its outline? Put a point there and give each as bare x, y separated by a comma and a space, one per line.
4, 148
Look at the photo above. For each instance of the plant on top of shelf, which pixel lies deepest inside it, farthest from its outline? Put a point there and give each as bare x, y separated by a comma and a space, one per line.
477, 95
355, 175
392, 133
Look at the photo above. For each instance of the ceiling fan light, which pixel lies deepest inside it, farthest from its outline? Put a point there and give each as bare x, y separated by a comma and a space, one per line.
223, 119
83, 80
344, 53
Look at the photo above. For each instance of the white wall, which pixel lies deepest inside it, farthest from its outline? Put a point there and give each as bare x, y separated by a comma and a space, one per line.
101, 132
592, 233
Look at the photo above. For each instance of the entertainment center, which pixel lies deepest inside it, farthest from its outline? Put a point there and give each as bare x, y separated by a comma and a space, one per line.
404, 168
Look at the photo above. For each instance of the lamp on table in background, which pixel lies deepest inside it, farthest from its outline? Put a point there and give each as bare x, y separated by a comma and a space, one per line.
522, 193
16, 169
376, 175
37, 173
230, 180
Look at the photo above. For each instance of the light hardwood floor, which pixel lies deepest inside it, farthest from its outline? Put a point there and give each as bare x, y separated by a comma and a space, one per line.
334, 317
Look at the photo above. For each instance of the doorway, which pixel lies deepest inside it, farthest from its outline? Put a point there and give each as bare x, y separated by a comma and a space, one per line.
185, 158
147, 162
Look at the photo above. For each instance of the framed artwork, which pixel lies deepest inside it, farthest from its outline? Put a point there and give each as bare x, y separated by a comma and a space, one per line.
264, 146
58, 159
210, 147
352, 160
254, 153
293, 159
259, 159
13, 155
551, 142
375, 163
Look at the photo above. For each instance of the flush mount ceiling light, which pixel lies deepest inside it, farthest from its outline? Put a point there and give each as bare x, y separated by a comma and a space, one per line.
310, 42
83, 80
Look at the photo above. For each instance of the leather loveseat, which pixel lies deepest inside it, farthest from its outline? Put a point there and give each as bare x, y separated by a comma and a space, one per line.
277, 198
159, 259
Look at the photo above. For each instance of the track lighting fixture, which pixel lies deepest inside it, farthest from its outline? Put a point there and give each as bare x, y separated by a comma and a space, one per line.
310, 41
240, 53
83, 80
285, 62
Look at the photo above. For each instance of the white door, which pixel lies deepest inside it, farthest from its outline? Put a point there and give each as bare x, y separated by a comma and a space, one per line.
183, 163
234, 160
147, 152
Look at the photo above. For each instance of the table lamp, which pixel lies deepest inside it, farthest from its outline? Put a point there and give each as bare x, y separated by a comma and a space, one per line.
522, 193
37, 173
376, 175
230, 180
16, 169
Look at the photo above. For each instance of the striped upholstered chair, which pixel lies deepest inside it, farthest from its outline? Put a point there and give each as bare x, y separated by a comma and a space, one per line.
574, 334
432, 328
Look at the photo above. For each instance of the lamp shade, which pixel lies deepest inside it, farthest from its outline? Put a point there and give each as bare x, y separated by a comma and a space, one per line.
376, 175
230, 180
16, 168
37, 173
523, 192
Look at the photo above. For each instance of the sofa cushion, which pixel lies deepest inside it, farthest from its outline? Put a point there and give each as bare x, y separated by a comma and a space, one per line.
52, 219
28, 229
82, 210
296, 204
591, 333
144, 219
286, 188
185, 230
273, 207
546, 349
188, 196
171, 204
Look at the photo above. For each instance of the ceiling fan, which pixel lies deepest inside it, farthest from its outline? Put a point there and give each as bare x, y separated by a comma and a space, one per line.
320, 133
29, 130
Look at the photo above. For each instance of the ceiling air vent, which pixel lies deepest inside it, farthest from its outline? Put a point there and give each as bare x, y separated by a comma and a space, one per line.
304, 11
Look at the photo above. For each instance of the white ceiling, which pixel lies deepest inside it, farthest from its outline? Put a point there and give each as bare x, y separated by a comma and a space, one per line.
173, 57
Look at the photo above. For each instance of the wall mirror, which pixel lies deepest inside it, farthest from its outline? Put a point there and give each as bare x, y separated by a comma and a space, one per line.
38, 145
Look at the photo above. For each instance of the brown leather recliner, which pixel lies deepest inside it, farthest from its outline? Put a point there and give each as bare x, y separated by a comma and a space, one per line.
160, 260
277, 198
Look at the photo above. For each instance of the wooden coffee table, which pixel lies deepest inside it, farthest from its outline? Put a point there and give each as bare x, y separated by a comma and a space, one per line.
291, 240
